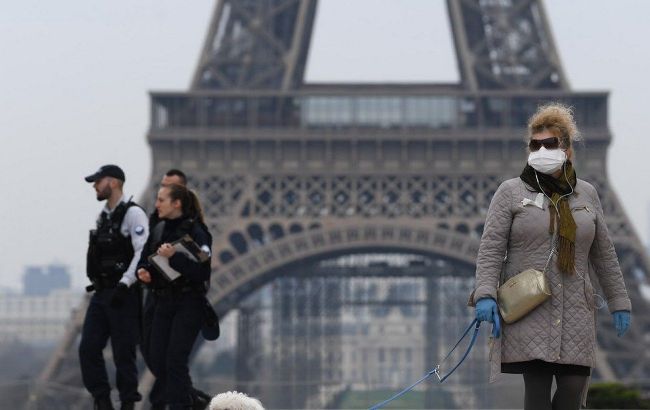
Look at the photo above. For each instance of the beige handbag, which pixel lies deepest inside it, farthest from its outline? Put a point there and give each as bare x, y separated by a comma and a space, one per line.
523, 292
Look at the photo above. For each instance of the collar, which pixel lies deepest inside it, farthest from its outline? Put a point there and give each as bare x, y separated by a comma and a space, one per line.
110, 211
173, 223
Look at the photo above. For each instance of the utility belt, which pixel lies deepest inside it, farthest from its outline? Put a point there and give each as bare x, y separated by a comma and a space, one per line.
101, 282
177, 290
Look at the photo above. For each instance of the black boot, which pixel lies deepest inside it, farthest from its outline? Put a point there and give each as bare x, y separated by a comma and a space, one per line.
129, 405
199, 404
158, 406
103, 403
200, 400
196, 393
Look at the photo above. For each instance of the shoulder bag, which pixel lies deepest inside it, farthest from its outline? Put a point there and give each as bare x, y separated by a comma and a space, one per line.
522, 293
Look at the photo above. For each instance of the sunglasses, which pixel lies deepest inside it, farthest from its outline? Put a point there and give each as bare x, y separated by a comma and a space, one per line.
548, 143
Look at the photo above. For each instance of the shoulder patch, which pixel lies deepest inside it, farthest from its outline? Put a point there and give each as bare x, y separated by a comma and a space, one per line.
206, 249
139, 230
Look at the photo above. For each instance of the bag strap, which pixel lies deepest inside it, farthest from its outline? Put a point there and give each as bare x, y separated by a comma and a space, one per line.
548, 261
550, 255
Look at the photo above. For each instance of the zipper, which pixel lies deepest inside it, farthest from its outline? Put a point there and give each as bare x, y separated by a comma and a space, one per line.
583, 207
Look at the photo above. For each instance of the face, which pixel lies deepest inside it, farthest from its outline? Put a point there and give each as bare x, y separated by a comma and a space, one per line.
549, 141
171, 180
167, 209
103, 188
543, 139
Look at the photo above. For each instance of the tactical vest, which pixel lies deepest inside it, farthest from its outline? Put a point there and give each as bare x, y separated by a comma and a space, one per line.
109, 252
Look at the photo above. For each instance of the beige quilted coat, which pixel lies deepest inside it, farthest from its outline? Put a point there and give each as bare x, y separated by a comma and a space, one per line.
562, 329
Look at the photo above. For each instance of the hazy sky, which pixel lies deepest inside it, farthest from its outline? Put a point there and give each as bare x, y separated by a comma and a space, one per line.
74, 78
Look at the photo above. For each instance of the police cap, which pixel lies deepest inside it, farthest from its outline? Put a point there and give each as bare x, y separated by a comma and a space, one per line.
107, 171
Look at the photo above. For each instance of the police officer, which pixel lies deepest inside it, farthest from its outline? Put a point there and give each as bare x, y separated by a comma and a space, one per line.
179, 304
200, 399
173, 176
113, 312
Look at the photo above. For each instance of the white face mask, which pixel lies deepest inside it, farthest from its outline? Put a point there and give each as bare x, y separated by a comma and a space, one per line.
547, 161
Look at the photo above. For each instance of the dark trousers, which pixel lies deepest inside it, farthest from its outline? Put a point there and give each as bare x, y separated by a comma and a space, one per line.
121, 326
568, 394
157, 393
147, 321
177, 320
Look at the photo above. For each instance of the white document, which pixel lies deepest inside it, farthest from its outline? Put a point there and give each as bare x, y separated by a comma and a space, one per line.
187, 247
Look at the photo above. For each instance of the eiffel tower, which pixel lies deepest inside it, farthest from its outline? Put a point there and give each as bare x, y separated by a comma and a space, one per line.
290, 172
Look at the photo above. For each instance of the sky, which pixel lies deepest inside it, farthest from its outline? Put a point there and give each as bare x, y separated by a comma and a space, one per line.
75, 77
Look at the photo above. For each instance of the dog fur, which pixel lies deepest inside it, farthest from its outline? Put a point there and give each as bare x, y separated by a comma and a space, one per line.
233, 400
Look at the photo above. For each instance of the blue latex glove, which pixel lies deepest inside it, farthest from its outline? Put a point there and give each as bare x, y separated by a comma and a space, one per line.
487, 311
622, 321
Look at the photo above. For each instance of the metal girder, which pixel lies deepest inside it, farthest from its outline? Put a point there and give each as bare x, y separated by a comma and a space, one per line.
256, 45
505, 44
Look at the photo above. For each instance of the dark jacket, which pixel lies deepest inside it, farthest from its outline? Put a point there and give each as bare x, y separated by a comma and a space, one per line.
194, 274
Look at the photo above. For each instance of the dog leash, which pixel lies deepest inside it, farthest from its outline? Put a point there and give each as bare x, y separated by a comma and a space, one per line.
436, 370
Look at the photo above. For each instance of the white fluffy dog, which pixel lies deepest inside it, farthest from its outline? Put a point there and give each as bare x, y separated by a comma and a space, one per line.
233, 400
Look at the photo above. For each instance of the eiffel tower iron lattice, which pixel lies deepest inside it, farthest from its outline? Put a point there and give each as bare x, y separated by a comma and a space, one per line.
290, 172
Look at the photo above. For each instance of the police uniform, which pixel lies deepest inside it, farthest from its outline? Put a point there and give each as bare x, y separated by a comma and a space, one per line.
114, 250
148, 306
200, 399
178, 313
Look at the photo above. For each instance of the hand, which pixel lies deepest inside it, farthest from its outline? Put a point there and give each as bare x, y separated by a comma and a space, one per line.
486, 310
120, 294
166, 250
144, 275
622, 321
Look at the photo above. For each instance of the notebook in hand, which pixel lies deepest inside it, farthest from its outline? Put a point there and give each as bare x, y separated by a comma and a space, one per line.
186, 246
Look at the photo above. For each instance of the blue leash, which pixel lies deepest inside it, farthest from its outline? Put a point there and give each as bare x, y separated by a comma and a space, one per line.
436, 370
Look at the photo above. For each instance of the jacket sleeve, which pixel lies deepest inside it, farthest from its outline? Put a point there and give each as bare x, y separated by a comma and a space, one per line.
602, 256
494, 242
144, 256
194, 272
138, 226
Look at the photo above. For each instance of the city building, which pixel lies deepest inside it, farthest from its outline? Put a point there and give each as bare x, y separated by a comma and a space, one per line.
39, 315
41, 280
38, 320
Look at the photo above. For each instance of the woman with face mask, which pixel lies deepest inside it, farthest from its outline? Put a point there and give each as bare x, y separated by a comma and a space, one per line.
549, 220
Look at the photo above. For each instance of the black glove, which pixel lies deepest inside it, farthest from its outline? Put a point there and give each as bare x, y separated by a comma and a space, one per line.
119, 295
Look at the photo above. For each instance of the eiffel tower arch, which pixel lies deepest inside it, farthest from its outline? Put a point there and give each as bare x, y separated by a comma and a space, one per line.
290, 172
